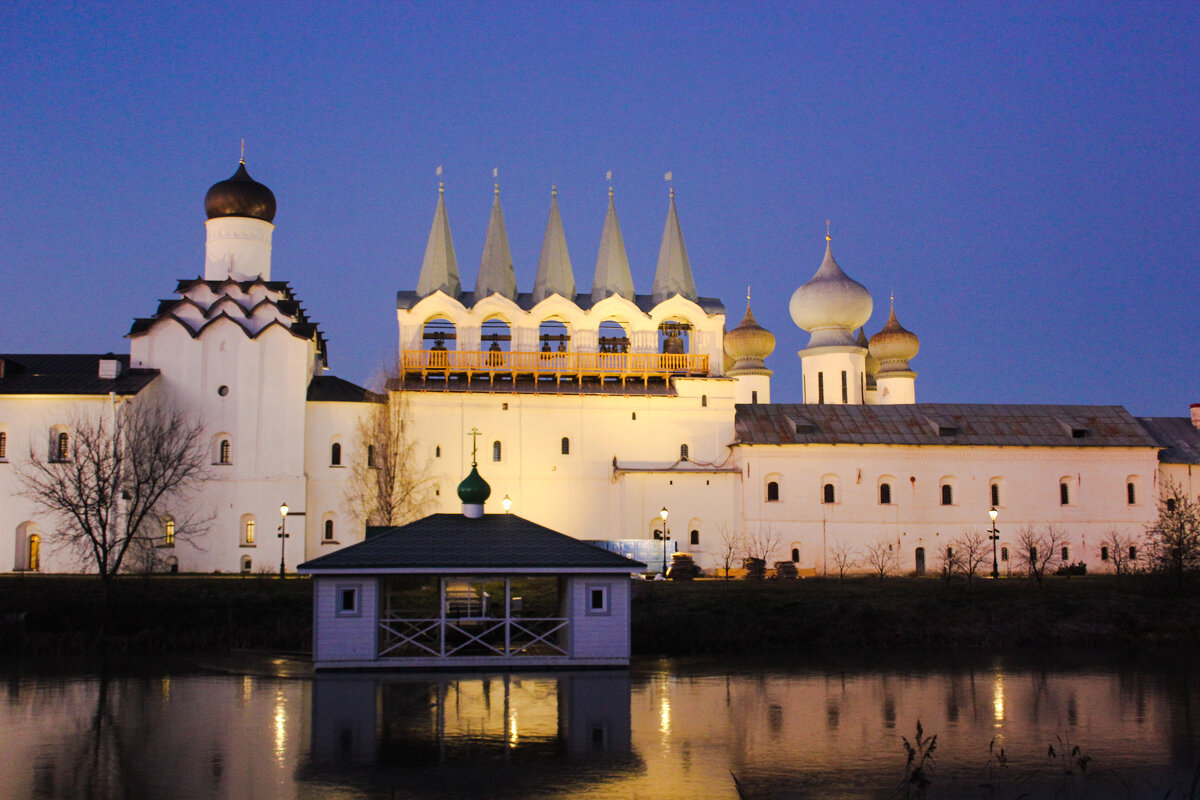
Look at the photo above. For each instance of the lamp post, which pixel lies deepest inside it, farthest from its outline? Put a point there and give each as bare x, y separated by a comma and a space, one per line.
995, 537
283, 535
665, 536
507, 503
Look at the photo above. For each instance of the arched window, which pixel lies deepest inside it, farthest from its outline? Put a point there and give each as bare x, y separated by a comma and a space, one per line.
437, 451
224, 452
1066, 554
497, 451
683, 452
566, 446
704, 401
172, 565
694, 538
168, 532
1131, 493
995, 494
335, 454
248, 530
1064, 494
1004, 554
885, 494
329, 530
247, 564
1103, 552
62, 446
828, 494
947, 494
795, 554
772, 492
1133, 552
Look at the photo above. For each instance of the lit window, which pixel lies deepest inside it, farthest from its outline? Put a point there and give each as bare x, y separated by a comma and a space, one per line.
329, 530
169, 533
1064, 494
566, 446
223, 456
3, 444
947, 494
995, 494
497, 452
62, 447
885, 494
248, 532
827, 494
1130, 490
335, 454
772, 492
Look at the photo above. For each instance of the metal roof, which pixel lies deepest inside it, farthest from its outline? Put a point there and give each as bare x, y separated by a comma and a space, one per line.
493, 542
942, 424
67, 374
1177, 435
331, 389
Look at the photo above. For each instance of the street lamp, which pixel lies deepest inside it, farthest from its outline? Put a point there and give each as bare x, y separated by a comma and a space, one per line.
995, 537
507, 503
665, 536
283, 534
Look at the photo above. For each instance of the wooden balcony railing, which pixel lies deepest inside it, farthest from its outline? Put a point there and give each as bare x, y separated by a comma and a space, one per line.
554, 365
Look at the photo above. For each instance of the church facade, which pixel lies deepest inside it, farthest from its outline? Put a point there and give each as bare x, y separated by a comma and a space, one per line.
603, 413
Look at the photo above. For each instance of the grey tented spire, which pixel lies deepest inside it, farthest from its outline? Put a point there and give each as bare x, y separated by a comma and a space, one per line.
554, 275
612, 265
674, 273
439, 269
496, 274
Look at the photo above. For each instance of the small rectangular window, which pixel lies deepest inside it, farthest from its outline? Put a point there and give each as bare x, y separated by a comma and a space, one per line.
1066, 554
820, 387
1133, 553
754, 398
1064, 494
1004, 554
346, 598
845, 389
1104, 553
597, 600
995, 494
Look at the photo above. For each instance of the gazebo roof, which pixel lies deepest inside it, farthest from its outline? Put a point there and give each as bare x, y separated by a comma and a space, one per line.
453, 543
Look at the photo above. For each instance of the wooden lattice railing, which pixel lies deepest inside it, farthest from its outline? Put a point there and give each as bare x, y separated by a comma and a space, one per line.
557, 365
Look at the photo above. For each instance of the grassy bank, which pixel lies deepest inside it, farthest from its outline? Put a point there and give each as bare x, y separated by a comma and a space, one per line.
861, 613
179, 614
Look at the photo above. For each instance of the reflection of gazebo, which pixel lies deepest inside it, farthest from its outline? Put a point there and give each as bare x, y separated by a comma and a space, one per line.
452, 591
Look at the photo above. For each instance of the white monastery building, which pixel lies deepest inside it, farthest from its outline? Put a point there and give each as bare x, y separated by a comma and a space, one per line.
598, 409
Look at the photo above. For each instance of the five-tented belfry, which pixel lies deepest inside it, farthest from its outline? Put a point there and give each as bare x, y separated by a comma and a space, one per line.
606, 414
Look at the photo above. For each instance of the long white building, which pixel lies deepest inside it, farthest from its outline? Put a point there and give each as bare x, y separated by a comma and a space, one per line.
597, 407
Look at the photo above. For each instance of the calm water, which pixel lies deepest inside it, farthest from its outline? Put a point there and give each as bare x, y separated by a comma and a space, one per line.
670, 728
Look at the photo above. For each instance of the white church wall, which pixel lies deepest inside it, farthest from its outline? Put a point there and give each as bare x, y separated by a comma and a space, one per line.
329, 423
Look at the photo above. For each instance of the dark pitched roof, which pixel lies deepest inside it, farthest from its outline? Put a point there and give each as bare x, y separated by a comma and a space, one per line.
711, 305
70, 373
942, 424
453, 541
331, 389
1177, 435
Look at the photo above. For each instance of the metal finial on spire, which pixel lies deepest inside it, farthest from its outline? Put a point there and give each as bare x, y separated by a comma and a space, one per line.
827, 236
747, 295
474, 434
893, 298
554, 190
243, 156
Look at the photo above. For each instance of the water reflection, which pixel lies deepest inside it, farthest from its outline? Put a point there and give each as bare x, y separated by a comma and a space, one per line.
663, 729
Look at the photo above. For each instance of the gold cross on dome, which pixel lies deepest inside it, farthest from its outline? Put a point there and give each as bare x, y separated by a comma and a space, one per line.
474, 434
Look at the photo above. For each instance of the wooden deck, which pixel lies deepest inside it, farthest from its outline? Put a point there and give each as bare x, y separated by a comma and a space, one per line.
559, 366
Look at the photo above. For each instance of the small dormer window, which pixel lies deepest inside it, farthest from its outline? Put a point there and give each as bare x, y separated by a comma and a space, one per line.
805, 427
1079, 433
947, 430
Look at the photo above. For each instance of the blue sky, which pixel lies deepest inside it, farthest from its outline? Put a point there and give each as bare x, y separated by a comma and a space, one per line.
1025, 176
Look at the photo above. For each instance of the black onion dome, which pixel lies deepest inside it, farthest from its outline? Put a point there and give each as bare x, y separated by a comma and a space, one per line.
240, 196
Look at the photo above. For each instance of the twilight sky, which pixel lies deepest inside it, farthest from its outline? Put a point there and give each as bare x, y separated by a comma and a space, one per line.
1025, 176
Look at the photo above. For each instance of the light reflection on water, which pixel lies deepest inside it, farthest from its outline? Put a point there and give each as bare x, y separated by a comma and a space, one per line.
662, 729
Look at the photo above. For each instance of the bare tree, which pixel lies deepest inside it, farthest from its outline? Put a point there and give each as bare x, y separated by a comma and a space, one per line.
390, 482
731, 545
949, 561
843, 557
1120, 547
122, 472
1174, 535
1038, 552
974, 551
881, 557
762, 543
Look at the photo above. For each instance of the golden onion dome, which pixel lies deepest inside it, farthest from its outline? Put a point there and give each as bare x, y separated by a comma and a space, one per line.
894, 345
748, 344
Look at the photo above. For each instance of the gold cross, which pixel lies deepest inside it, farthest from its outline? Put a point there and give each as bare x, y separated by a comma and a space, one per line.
474, 434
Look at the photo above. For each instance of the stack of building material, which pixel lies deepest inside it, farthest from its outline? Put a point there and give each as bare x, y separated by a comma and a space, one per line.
683, 567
